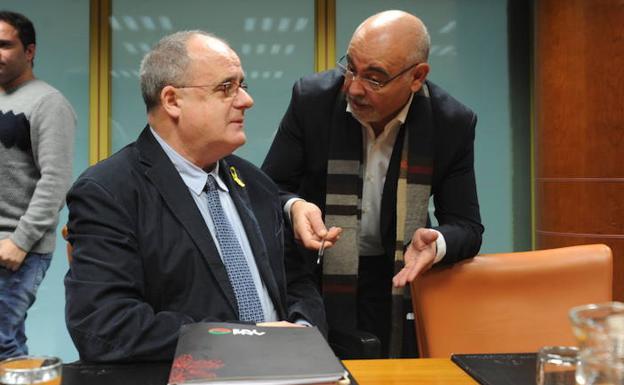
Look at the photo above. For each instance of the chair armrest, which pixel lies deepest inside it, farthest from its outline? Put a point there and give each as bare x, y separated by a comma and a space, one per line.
354, 344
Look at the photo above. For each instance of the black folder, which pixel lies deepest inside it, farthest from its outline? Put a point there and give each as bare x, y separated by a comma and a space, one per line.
499, 369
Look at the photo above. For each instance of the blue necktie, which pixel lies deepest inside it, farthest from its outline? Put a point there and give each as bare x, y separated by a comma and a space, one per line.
249, 307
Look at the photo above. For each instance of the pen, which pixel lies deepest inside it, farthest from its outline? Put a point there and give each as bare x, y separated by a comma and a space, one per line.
321, 251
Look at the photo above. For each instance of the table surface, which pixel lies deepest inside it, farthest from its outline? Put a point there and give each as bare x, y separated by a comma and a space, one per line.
429, 371
425, 371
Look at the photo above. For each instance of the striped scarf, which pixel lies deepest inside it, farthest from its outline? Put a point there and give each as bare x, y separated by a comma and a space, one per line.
343, 208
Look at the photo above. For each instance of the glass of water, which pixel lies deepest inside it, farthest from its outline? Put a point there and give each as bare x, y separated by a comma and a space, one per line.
31, 370
599, 329
556, 365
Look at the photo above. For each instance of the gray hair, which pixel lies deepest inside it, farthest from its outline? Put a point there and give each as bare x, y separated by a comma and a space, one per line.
166, 64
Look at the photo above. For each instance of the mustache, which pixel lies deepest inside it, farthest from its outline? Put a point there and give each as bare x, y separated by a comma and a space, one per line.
357, 100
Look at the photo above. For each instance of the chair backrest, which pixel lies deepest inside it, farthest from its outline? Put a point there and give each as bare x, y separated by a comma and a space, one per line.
511, 302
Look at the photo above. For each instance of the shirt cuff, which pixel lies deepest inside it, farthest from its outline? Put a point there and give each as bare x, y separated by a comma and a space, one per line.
288, 205
440, 247
303, 322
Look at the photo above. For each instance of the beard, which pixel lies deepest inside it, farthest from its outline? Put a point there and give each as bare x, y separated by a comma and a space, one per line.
362, 110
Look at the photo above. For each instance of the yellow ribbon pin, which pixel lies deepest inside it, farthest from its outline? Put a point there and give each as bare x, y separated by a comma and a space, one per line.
235, 177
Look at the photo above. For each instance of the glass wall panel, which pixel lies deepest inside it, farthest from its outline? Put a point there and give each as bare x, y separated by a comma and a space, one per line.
274, 39
469, 58
62, 59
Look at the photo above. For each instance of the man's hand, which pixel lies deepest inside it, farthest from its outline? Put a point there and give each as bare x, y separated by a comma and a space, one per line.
309, 228
280, 324
419, 256
11, 256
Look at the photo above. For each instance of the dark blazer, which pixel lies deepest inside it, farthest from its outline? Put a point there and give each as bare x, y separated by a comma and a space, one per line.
297, 159
144, 262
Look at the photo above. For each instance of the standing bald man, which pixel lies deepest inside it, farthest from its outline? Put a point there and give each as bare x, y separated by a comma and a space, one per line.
367, 144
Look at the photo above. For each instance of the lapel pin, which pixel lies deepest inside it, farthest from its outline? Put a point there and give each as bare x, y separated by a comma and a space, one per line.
235, 177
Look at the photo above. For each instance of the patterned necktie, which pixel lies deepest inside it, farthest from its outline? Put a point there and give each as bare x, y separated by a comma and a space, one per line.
249, 307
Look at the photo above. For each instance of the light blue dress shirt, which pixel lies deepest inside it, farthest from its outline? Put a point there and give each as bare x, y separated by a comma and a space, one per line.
195, 179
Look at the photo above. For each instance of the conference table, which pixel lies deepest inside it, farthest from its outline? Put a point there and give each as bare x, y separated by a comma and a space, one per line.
421, 371
428, 371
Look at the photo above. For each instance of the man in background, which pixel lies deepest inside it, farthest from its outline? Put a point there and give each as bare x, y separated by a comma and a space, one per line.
368, 144
36, 152
174, 229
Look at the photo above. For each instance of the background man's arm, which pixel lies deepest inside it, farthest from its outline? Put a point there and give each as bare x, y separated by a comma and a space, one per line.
54, 123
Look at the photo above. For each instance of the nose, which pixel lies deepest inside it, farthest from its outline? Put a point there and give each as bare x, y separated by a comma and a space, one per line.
354, 87
243, 100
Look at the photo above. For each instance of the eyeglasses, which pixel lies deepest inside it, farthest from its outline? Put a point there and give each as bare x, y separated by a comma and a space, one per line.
229, 89
370, 84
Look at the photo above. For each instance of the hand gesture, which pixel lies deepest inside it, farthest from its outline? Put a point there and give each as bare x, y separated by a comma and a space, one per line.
418, 257
309, 228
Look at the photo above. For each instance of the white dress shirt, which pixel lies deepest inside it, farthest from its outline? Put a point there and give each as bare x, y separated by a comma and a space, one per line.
377, 154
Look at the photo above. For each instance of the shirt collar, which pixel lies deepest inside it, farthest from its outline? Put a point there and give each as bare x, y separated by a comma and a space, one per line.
194, 177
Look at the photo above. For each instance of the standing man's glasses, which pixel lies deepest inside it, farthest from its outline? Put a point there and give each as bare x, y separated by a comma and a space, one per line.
369, 83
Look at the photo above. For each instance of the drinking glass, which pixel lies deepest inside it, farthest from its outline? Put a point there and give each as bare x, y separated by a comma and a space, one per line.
31, 370
590, 326
599, 329
556, 365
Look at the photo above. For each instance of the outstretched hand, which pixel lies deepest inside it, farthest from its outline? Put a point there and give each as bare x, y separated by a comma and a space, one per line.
309, 228
418, 257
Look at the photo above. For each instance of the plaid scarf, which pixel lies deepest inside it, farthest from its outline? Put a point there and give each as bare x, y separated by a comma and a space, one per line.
343, 208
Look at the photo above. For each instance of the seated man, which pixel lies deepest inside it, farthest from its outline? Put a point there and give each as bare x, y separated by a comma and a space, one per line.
173, 229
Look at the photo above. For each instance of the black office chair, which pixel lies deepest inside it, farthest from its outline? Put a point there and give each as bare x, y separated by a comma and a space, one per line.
354, 344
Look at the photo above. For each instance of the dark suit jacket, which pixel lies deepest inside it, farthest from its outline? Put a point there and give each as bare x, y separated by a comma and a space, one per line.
297, 160
144, 262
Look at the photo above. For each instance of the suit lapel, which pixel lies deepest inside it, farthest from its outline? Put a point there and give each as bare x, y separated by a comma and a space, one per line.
238, 192
166, 179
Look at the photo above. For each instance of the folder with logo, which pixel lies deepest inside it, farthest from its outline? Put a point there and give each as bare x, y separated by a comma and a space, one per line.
228, 353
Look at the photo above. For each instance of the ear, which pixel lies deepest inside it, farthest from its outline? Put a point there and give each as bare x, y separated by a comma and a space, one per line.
30, 52
419, 75
170, 100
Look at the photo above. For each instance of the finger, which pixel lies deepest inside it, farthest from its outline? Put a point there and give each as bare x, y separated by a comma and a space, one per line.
305, 235
310, 241
415, 270
399, 279
430, 236
407, 274
316, 223
423, 238
333, 234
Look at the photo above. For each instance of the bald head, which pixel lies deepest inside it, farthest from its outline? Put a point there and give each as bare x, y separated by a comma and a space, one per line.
388, 49
397, 31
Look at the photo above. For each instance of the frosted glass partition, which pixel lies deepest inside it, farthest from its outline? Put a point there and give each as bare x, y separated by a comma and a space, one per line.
62, 59
274, 38
469, 58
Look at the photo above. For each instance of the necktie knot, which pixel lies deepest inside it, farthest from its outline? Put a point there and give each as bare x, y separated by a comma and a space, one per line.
211, 183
